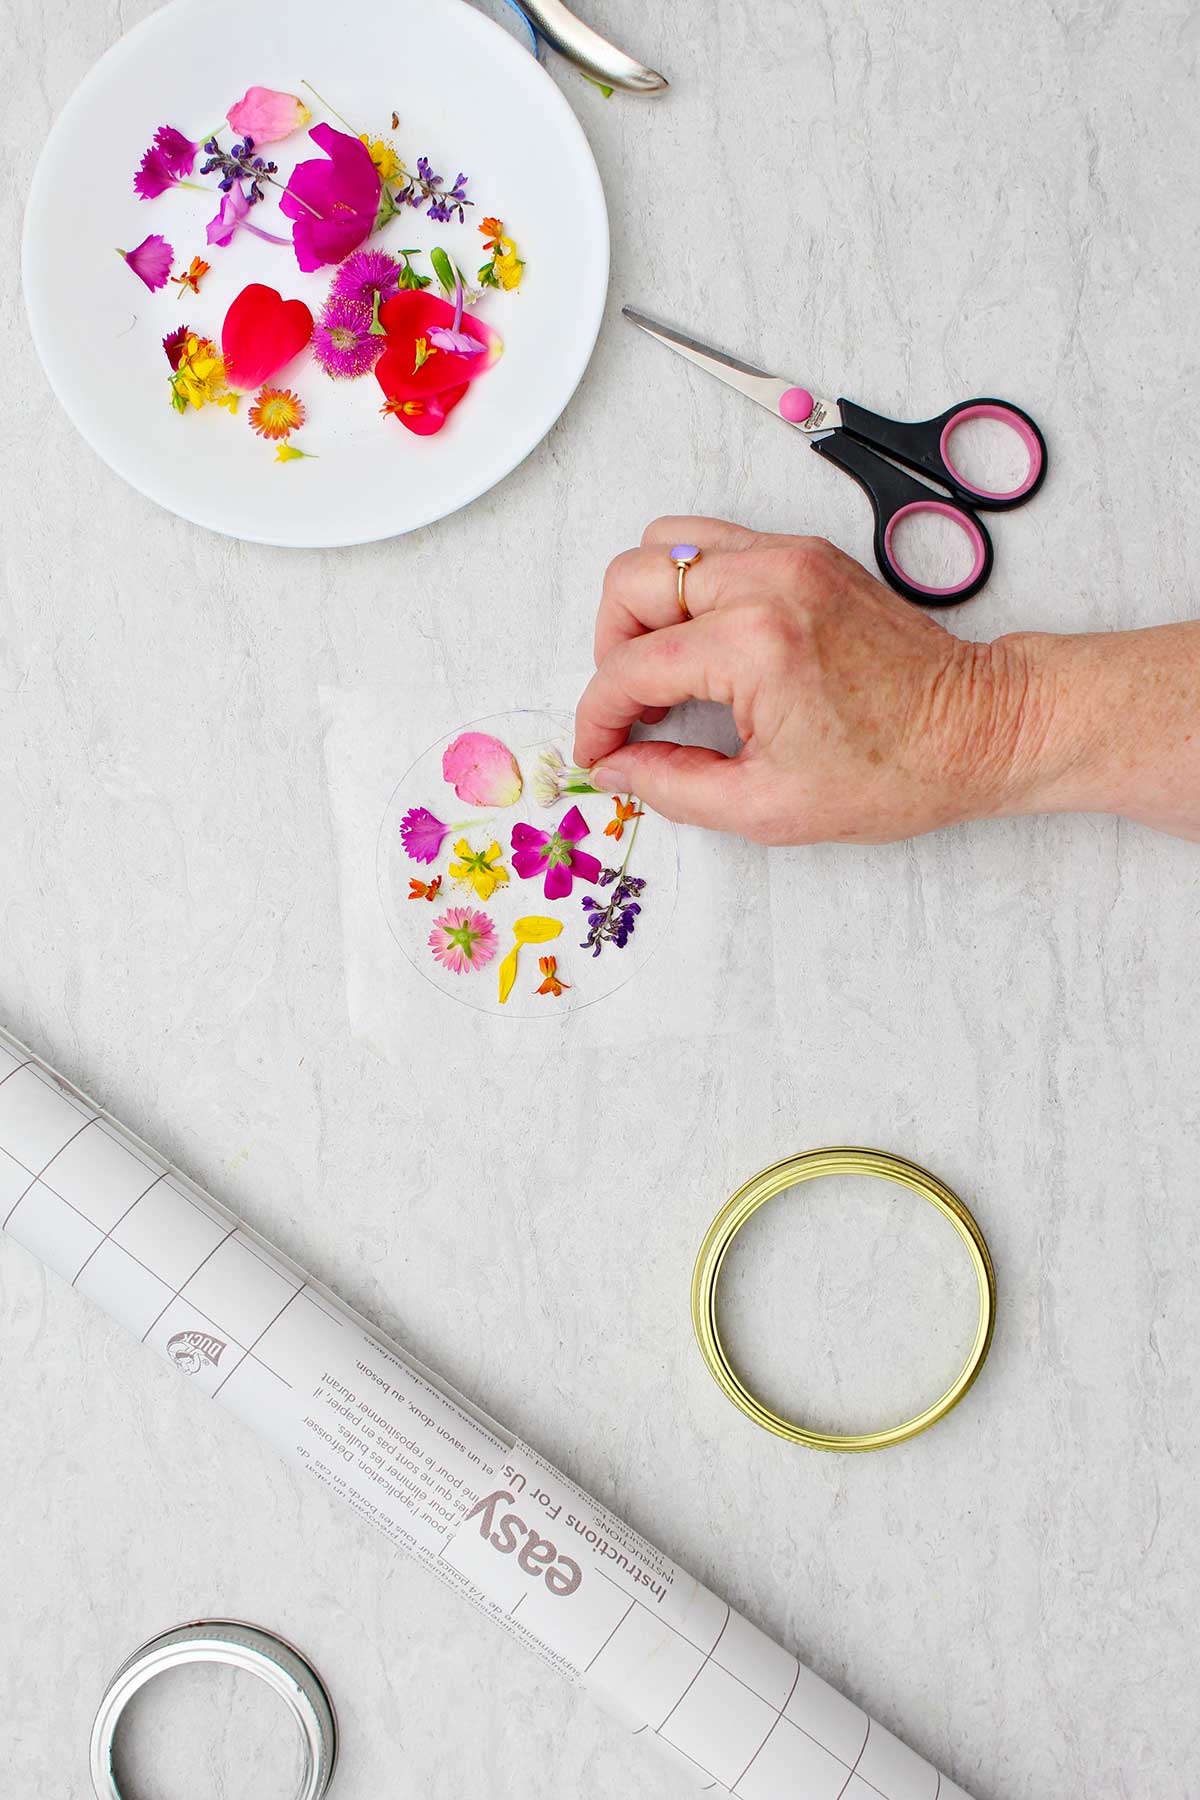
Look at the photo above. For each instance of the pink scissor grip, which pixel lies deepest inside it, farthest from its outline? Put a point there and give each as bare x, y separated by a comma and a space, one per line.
1003, 415
959, 518
795, 405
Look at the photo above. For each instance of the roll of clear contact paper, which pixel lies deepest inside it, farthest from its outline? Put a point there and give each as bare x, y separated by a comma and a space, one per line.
426, 1467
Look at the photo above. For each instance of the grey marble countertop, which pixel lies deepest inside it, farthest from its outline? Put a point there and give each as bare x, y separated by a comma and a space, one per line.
914, 203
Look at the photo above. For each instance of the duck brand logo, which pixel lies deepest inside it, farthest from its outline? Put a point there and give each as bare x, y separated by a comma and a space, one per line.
192, 1351
510, 1535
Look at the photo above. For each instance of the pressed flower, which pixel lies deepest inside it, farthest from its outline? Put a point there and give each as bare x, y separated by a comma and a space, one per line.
452, 337
200, 377
551, 983
424, 417
233, 215
343, 342
613, 921
265, 115
552, 778
481, 770
422, 353
289, 453
625, 810
383, 155
463, 939
332, 199
175, 343
261, 335
189, 281
424, 890
425, 185
480, 869
276, 412
556, 854
423, 835
150, 261
367, 275
154, 175
533, 929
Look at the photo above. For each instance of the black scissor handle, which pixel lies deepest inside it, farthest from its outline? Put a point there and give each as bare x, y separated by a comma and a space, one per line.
895, 496
925, 447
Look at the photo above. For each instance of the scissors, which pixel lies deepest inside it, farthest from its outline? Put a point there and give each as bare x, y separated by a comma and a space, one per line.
854, 439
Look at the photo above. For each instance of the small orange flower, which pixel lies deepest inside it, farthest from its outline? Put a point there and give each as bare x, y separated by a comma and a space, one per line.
551, 985
626, 810
189, 281
276, 412
492, 228
423, 890
394, 408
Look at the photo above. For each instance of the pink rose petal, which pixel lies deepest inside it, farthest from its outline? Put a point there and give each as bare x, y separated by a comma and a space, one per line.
482, 771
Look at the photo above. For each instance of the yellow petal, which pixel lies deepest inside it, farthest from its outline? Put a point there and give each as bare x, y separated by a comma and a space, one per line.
536, 930
462, 848
508, 974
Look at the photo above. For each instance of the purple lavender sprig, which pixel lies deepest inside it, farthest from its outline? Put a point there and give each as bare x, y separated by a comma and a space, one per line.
239, 163
614, 922
426, 186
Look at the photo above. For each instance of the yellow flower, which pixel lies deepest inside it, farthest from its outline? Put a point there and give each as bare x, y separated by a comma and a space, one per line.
480, 869
507, 265
289, 453
534, 929
200, 377
383, 156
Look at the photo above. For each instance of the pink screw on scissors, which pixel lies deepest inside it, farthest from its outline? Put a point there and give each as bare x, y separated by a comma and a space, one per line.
870, 447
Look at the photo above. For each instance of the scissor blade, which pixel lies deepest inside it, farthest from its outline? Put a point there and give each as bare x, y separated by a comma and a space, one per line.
756, 384
760, 386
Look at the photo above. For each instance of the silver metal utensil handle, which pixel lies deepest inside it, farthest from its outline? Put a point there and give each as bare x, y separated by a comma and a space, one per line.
591, 52
239, 1646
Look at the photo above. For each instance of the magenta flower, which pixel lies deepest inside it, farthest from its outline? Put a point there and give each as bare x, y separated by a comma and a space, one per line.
365, 274
343, 343
233, 216
178, 151
333, 199
422, 835
555, 852
170, 157
150, 260
463, 939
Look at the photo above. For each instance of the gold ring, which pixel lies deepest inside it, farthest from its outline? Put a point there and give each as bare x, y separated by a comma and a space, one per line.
683, 556
808, 1167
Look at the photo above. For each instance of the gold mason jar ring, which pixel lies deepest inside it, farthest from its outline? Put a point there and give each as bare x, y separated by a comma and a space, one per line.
808, 1167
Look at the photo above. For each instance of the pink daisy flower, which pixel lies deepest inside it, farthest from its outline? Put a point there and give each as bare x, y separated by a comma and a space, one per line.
463, 939
342, 342
364, 274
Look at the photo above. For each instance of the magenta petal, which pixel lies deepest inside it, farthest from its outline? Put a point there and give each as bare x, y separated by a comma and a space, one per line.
529, 834
585, 866
528, 863
558, 881
573, 825
422, 834
150, 260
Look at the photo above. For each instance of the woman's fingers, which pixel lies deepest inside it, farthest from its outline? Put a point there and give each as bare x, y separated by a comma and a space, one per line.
641, 591
683, 782
710, 534
664, 668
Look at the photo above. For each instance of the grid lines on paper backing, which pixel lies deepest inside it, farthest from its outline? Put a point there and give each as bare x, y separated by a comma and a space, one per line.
126, 1231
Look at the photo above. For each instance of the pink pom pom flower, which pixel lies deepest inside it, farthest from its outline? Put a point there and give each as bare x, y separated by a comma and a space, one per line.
463, 939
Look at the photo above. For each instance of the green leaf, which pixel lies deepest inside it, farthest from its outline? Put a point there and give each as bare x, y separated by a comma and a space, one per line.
442, 267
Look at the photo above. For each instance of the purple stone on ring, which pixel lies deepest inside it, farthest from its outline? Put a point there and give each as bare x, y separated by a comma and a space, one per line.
684, 553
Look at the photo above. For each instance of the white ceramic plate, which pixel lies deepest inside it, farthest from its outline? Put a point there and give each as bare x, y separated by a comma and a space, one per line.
470, 98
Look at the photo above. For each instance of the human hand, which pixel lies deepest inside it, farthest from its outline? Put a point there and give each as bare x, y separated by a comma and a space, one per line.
861, 718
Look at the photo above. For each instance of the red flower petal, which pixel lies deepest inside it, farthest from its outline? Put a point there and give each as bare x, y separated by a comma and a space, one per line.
261, 334
413, 314
433, 410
